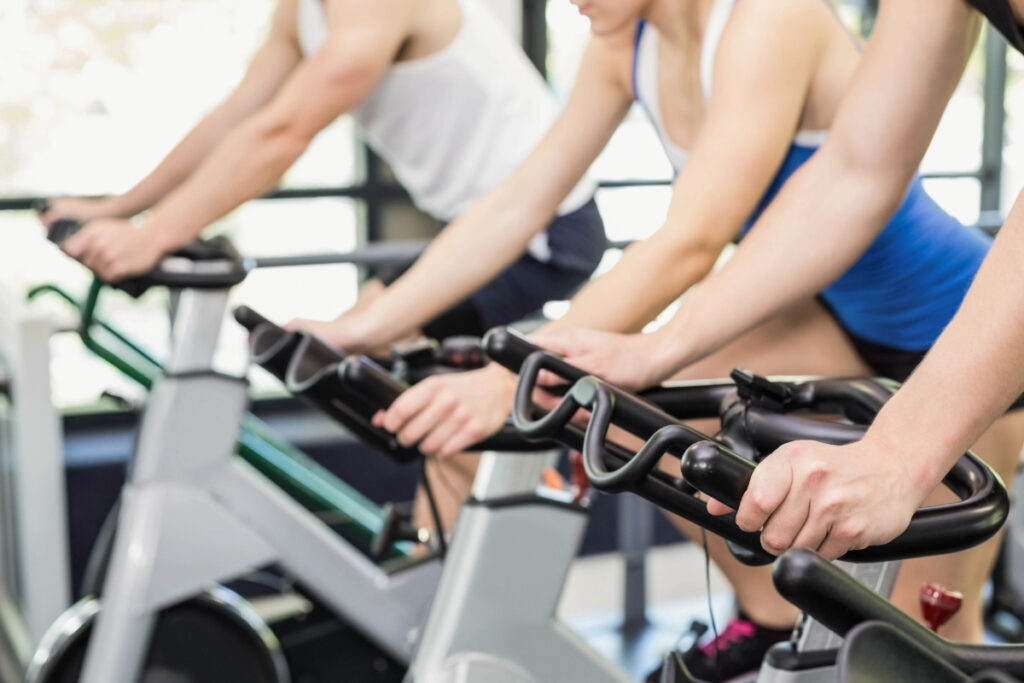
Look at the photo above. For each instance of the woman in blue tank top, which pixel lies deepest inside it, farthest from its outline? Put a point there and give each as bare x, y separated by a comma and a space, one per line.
741, 94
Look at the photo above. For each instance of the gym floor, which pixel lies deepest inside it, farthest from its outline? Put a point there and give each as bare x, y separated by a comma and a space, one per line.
677, 594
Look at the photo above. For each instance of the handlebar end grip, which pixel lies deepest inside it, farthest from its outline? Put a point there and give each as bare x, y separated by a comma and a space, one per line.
507, 347
718, 472
835, 598
61, 230
133, 286
248, 318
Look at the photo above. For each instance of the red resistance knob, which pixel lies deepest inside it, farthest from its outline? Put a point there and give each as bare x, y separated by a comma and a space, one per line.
578, 476
939, 604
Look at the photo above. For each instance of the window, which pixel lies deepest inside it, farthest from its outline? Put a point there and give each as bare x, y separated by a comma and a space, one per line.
93, 96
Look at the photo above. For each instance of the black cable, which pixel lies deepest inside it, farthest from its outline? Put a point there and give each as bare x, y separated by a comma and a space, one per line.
442, 544
711, 611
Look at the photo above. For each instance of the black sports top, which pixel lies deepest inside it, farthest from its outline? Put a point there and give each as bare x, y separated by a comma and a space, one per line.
1000, 14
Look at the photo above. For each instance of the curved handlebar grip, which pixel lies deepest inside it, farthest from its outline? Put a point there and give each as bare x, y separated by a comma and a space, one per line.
378, 390
511, 349
313, 361
980, 513
250, 319
610, 405
552, 423
673, 438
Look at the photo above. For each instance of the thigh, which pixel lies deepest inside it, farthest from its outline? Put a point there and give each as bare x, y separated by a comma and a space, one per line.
802, 340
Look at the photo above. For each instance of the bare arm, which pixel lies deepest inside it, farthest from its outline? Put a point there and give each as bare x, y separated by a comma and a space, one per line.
716, 191
722, 182
363, 39
973, 372
497, 228
267, 70
830, 498
834, 498
829, 212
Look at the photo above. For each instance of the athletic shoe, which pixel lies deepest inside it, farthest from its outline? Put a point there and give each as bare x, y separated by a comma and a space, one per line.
735, 656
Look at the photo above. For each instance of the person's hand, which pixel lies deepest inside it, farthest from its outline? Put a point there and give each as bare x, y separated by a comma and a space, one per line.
622, 359
78, 209
343, 333
115, 249
830, 499
445, 414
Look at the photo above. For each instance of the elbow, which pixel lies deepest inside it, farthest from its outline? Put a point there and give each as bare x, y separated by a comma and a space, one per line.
877, 177
682, 262
281, 137
696, 260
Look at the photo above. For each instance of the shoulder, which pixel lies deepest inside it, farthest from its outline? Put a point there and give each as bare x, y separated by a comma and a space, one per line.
286, 19
389, 15
779, 21
777, 32
613, 54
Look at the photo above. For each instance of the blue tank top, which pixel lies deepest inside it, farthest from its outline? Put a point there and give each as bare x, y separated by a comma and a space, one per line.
909, 283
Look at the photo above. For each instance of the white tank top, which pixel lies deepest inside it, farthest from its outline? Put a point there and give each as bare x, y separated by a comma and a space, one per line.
454, 124
645, 79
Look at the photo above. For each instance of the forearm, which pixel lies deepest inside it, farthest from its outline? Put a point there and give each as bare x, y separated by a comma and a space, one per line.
176, 166
649, 277
468, 254
825, 217
249, 162
973, 372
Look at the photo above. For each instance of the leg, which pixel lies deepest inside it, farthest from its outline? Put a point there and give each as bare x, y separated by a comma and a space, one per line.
451, 480
966, 571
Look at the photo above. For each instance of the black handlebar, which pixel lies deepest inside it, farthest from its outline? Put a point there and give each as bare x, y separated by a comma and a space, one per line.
979, 514
841, 602
751, 421
201, 264
350, 389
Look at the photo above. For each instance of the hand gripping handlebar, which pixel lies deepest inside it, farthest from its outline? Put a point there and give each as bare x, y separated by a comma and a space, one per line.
202, 264
757, 417
350, 389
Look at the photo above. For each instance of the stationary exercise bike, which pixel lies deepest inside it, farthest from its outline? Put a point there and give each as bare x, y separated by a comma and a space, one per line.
757, 416
193, 514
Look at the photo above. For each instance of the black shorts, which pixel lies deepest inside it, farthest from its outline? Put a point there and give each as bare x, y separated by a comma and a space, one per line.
887, 361
577, 243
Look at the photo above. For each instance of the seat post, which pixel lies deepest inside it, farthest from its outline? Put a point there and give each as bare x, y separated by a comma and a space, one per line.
195, 330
